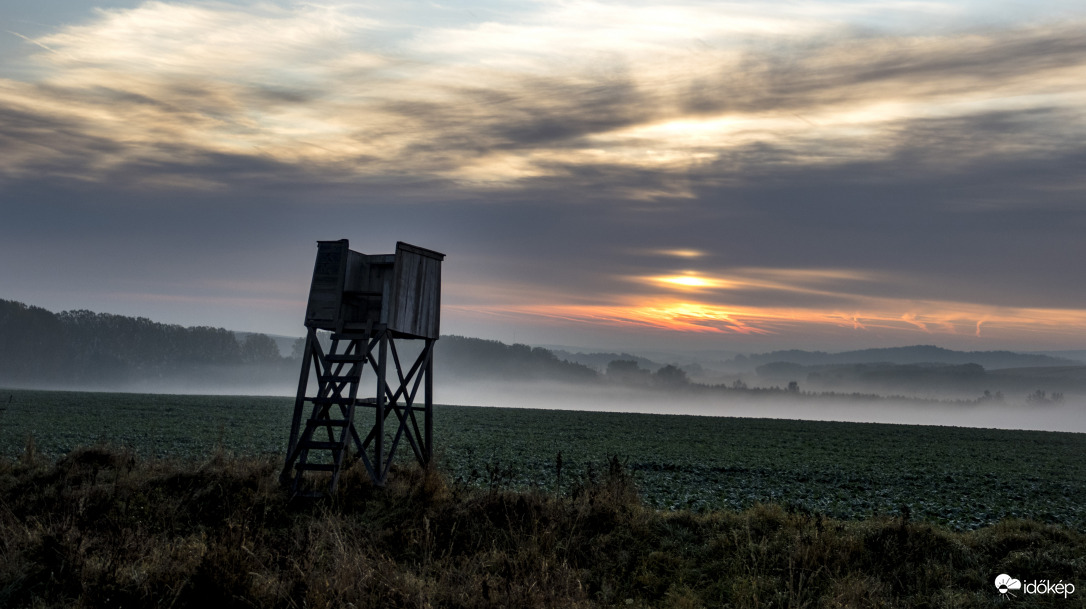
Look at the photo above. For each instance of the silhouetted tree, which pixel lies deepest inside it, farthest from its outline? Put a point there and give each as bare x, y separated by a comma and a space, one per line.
297, 349
628, 372
259, 349
473, 357
671, 375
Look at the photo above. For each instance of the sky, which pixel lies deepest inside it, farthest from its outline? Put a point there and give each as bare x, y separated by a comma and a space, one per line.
741, 176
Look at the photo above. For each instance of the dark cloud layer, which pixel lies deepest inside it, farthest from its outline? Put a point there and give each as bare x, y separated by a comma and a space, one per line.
825, 175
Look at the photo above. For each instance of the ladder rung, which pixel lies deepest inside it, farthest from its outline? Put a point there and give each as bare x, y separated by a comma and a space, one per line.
335, 401
326, 423
339, 378
314, 445
341, 357
329, 378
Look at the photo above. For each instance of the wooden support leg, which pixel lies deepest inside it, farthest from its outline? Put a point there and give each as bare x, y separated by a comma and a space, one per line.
379, 422
428, 414
299, 399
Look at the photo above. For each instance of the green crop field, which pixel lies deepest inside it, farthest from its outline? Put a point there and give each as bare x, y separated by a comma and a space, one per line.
958, 477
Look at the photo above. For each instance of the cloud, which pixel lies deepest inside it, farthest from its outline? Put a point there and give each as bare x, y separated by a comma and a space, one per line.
828, 168
901, 320
557, 93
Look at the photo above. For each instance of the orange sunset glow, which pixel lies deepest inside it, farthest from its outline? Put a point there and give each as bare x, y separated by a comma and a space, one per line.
925, 322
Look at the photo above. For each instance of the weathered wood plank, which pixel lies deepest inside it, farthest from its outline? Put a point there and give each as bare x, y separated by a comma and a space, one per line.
326, 289
416, 292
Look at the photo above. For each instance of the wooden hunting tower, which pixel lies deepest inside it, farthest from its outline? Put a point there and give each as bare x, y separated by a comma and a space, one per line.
366, 303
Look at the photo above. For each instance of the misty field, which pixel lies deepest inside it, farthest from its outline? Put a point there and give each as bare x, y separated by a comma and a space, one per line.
958, 477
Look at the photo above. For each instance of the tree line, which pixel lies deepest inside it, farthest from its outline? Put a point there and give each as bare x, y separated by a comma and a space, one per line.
82, 347
86, 349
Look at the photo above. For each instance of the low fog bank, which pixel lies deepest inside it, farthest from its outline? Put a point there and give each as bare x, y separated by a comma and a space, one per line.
1066, 416
89, 351
254, 380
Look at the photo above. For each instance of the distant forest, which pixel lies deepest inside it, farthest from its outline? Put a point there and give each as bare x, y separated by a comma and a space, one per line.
87, 350
464, 357
83, 349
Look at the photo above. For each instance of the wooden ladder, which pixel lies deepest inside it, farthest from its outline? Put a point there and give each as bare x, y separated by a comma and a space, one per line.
332, 416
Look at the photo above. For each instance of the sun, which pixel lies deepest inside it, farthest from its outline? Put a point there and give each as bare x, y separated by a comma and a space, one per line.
690, 281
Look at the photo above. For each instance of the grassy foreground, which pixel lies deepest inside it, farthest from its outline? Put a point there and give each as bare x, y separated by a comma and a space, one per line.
103, 528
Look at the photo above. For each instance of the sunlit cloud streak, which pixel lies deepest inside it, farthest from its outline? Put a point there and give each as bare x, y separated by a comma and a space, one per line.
924, 322
827, 282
